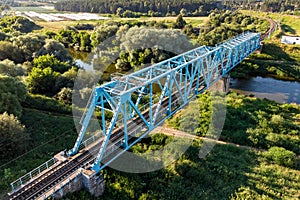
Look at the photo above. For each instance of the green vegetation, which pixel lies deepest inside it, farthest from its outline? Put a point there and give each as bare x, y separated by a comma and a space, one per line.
8, 67
11, 52
249, 121
137, 9
289, 24
12, 93
16, 24
281, 61
224, 25
47, 133
226, 173
43, 103
12, 135
281, 156
37, 77
276, 69
166, 8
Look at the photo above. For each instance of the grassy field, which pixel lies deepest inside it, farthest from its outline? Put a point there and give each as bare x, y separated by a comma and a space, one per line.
226, 173
195, 21
281, 61
56, 26
289, 24
59, 25
250, 121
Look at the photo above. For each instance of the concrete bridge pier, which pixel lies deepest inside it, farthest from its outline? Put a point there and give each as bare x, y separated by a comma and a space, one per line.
93, 183
222, 85
81, 179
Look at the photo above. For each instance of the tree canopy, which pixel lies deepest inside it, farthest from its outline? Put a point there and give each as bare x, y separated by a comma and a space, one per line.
56, 49
17, 24
8, 67
29, 43
11, 52
47, 60
42, 81
12, 93
12, 135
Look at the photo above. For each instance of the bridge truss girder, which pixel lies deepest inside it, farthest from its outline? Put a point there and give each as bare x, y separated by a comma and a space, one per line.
166, 87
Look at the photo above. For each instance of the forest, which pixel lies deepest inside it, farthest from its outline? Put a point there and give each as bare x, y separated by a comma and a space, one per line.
37, 76
167, 8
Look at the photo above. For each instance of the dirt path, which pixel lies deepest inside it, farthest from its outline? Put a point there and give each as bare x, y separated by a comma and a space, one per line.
177, 133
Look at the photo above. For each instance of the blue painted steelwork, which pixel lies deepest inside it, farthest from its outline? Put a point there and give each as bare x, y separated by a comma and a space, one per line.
165, 87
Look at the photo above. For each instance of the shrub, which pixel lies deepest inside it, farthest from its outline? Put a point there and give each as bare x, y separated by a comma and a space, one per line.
46, 104
281, 156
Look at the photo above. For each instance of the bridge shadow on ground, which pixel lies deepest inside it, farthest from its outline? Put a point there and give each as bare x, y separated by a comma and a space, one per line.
276, 52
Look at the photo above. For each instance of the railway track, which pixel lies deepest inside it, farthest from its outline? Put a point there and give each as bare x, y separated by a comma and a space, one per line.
57, 174
272, 29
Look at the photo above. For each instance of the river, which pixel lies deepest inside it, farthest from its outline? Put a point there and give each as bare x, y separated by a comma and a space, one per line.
261, 87
270, 88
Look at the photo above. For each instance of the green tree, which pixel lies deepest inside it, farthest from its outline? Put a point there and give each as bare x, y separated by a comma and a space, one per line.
180, 22
103, 32
8, 67
45, 61
42, 81
17, 24
12, 93
12, 135
11, 52
30, 44
66, 37
3, 36
67, 79
140, 38
65, 95
183, 12
119, 11
24, 25
84, 41
188, 30
56, 49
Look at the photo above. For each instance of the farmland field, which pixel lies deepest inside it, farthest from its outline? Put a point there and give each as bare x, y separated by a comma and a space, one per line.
38, 9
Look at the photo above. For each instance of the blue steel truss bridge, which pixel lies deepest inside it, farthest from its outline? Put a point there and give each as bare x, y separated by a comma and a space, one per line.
139, 102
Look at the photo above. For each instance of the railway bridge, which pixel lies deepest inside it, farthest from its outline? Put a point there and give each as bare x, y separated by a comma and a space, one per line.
139, 102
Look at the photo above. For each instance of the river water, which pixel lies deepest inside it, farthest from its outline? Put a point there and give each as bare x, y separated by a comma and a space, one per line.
261, 87
270, 88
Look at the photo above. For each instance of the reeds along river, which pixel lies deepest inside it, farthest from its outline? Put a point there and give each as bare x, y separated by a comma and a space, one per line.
270, 88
